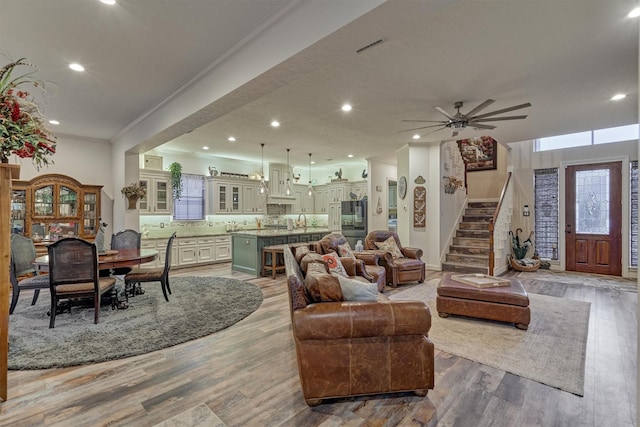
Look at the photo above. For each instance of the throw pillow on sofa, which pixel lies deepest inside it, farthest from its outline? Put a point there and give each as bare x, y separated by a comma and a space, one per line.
390, 245
355, 290
310, 258
301, 251
335, 265
345, 250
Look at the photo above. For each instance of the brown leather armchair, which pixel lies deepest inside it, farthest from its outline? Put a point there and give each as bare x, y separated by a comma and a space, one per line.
404, 269
330, 243
351, 348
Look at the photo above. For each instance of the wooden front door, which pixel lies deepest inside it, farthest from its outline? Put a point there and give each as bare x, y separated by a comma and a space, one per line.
593, 219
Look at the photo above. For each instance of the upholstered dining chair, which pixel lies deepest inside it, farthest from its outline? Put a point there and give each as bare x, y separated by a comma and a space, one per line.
125, 239
73, 273
23, 274
402, 264
140, 275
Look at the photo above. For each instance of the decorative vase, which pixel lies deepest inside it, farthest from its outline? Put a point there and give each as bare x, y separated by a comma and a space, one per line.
132, 202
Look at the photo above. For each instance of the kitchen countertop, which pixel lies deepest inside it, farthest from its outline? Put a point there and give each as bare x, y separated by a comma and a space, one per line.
281, 232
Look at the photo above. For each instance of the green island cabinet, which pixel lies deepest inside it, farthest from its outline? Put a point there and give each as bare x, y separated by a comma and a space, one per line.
247, 245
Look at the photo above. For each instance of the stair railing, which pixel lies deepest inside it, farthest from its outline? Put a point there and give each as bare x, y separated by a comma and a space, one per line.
499, 225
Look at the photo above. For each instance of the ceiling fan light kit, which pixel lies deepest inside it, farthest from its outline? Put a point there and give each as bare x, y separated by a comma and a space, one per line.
462, 121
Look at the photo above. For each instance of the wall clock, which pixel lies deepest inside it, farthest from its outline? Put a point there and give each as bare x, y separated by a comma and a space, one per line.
402, 187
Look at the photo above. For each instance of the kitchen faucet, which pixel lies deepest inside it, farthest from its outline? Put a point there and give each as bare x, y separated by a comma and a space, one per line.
305, 219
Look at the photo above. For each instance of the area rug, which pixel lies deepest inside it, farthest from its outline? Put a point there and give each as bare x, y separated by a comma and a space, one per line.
199, 306
552, 351
583, 279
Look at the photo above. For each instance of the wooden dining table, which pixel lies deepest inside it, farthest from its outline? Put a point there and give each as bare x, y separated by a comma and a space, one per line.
111, 259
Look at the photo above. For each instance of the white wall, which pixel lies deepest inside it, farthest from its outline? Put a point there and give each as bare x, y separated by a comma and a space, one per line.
379, 174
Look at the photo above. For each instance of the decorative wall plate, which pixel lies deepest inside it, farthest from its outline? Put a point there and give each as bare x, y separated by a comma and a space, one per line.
402, 187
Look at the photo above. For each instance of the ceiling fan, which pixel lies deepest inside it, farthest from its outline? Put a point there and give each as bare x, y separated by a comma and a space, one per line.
462, 121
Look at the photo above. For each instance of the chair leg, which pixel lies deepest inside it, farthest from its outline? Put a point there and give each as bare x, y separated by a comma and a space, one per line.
52, 315
96, 308
15, 293
164, 290
36, 294
167, 284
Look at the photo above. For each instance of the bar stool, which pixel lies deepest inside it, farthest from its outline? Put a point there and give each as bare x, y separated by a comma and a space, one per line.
273, 260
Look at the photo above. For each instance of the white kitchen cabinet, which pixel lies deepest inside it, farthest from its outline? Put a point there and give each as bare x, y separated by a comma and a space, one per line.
358, 188
187, 250
252, 202
303, 203
223, 196
321, 203
337, 193
223, 248
161, 246
159, 198
206, 249
278, 175
335, 216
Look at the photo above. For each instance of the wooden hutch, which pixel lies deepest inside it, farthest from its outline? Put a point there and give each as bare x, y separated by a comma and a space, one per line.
53, 206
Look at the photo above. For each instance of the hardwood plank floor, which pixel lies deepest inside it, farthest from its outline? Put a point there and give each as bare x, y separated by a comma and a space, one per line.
247, 374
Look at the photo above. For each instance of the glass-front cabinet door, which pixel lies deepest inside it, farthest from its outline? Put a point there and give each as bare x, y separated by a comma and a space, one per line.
18, 211
68, 202
43, 201
90, 214
162, 195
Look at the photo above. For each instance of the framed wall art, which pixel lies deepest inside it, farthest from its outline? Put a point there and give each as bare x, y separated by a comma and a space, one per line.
479, 153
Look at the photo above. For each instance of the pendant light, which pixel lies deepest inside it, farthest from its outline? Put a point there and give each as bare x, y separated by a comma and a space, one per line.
262, 189
310, 189
288, 191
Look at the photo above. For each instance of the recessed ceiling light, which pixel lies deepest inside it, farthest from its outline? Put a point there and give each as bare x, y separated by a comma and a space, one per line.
313, 162
54, 122
634, 13
205, 148
231, 139
275, 124
618, 97
76, 67
349, 155
346, 107
109, 2
416, 136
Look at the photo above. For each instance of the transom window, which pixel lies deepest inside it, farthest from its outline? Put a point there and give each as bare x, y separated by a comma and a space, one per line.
592, 137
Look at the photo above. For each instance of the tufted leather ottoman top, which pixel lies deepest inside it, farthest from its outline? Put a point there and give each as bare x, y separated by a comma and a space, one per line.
512, 295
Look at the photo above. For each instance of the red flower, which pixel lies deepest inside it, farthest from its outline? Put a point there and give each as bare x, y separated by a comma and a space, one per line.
15, 112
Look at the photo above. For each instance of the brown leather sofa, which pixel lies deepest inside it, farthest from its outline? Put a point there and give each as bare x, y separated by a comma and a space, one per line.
351, 348
407, 268
330, 243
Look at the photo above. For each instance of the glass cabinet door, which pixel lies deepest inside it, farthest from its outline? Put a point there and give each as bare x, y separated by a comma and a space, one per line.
144, 201
162, 195
18, 211
68, 202
90, 219
43, 201
235, 198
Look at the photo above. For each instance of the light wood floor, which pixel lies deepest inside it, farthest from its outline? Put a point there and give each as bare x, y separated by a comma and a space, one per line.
247, 375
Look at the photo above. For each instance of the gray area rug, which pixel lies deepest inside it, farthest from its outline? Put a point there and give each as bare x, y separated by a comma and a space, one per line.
552, 351
199, 306
583, 279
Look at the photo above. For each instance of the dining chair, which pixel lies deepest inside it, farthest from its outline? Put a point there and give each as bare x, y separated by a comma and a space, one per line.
23, 274
139, 275
125, 239
73, 273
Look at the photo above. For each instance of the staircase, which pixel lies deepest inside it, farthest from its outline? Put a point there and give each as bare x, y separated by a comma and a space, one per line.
470, 250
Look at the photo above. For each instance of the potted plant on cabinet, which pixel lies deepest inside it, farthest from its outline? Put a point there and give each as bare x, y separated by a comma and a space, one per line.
133, 192
176, 179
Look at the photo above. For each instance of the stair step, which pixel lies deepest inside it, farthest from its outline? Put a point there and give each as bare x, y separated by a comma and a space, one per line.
479, 260
483, 205
464, 268
477, 218
469, 250
473, 233
479, 211
473, 226
471, 242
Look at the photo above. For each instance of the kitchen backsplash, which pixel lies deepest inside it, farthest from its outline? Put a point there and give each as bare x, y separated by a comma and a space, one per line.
158, 226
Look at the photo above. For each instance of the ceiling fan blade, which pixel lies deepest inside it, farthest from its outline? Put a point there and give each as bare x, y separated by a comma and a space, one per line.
423, 121
480, 126
504, 110
495, 119
480, 107
443, 112
423, 127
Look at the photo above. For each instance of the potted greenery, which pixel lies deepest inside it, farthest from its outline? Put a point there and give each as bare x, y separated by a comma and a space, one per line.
176, 179
133, 192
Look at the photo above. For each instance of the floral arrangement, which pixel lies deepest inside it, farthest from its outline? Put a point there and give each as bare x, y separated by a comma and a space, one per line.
134, 190
453, 184
22, 129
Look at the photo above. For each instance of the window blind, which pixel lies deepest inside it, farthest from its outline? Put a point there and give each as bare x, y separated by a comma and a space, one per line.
546, 212
190, 206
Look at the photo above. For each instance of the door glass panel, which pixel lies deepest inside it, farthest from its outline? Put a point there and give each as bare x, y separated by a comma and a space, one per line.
162, 196
43, 201
68, 201
592, 201
90, 221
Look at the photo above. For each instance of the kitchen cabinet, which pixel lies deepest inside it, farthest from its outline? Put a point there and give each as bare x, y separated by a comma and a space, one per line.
206, 249
335, 216
187, 251
56, 206
303, 203
252, 202
224, 196
337, 193
159, 198
161, 246
223, 248
321, 202
358, 188
190, 251
278, 175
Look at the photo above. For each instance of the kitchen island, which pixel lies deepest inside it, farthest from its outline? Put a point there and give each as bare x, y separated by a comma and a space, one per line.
247, 245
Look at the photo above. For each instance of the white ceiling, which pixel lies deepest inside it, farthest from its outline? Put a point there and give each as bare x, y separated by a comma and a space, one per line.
566, 57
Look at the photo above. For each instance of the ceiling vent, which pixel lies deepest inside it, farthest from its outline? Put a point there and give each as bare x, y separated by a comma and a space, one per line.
370, 45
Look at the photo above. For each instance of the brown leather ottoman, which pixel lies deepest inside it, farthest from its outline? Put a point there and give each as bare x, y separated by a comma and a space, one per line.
504, 303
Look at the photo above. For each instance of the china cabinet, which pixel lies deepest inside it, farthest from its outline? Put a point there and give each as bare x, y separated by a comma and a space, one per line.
54, 206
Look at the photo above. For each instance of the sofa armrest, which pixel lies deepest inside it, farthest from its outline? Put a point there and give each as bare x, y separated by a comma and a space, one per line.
412, 252
355, 267
351, 319
369, 257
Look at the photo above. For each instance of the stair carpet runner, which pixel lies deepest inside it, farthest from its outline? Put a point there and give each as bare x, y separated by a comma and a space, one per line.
469, 252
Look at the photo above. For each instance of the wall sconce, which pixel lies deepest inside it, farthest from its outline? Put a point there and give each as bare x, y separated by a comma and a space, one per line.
525, 210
